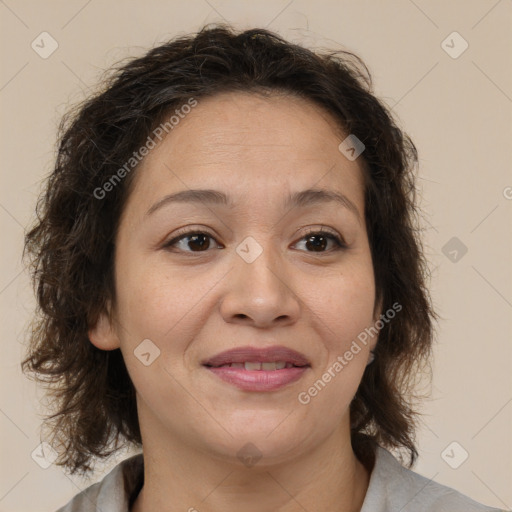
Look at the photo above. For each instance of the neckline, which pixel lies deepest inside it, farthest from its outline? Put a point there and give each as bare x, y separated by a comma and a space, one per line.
133, 472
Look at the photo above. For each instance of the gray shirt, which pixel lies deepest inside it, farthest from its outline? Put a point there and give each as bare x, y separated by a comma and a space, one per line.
392, 488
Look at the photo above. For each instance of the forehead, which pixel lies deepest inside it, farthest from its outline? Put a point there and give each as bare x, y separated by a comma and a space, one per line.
251, 146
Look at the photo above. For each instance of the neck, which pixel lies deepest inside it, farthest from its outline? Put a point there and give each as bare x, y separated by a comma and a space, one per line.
180, 477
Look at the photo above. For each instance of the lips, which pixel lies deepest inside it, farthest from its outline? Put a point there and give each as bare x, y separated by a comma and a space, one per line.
250, 358
258, 369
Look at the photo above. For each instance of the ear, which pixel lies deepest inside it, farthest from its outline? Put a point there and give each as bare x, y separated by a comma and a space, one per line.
103, 335
376, 316
377, 309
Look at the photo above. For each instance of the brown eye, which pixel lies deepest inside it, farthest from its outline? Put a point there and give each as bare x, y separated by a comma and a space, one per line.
317, 241
198, 241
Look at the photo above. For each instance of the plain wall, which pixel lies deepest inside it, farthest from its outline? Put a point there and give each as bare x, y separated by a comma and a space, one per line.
458, 113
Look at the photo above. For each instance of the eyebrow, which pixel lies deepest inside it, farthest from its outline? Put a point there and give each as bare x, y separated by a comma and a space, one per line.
302, 199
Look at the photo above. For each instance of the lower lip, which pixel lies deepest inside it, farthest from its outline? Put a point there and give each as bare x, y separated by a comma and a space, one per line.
258, 380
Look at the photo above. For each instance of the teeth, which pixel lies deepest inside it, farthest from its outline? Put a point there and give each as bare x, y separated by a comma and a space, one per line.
251, 366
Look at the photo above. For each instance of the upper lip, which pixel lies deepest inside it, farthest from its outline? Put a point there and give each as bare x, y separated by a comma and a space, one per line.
254, 355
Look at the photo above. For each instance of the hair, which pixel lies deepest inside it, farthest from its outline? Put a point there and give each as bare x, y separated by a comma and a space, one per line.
71, 243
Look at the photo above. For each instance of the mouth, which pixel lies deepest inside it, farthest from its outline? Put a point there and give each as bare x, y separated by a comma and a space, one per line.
257, 365
252, 369
251, 357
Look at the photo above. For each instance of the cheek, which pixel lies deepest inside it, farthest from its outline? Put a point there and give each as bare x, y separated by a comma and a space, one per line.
154, 305
344, 310
152, 299
345, 303
165, 305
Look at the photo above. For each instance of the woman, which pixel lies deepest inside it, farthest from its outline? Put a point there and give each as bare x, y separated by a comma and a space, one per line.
229, 277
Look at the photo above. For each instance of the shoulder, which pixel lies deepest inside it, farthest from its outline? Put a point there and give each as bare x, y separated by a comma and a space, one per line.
394, 487
113, 492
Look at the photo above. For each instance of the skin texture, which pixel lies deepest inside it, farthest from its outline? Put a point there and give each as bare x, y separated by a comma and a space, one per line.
193, 304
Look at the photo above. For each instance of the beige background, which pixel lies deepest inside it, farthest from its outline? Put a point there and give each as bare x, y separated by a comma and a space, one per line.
458, 112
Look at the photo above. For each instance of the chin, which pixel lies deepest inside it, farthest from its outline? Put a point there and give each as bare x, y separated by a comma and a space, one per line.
263, 443
256, 453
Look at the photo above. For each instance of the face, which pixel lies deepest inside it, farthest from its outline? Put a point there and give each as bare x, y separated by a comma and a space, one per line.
257, 271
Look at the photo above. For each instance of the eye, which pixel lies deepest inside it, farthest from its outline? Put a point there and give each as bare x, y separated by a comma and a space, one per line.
198, 239
316, 240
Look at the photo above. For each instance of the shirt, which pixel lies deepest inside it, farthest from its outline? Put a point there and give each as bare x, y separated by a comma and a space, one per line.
392, 488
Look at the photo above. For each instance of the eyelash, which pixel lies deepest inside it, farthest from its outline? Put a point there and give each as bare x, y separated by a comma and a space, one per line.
340, 243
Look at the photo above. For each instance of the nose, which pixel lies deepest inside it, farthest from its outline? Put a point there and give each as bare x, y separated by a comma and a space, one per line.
260, 293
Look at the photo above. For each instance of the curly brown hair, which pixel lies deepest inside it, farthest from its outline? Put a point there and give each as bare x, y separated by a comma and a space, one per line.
71, 244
